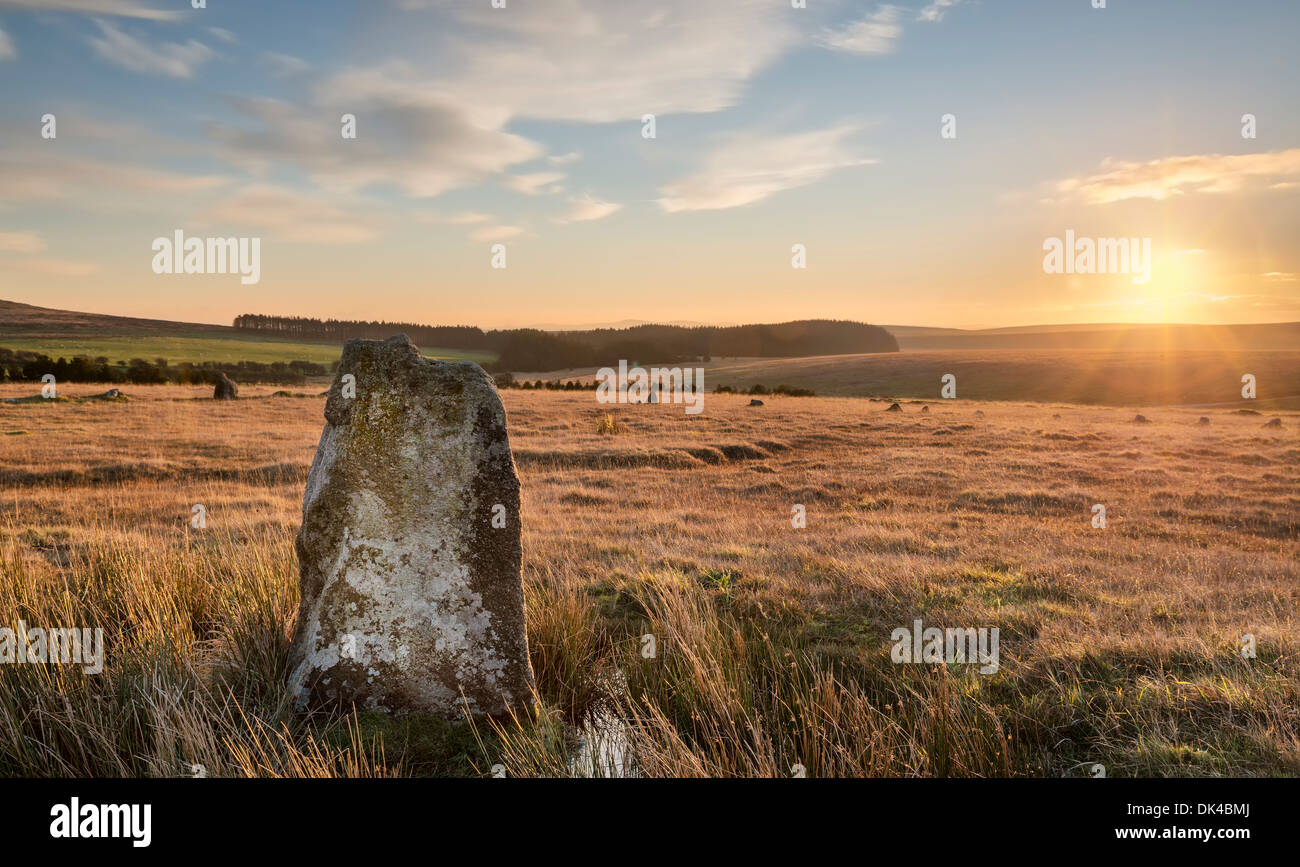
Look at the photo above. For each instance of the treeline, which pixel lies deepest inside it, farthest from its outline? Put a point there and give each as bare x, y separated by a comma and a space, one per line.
339, 330
25, 366
759, 388
506, 380
532, 349
783, 340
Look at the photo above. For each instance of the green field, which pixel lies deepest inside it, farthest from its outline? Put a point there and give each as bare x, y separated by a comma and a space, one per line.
177, 348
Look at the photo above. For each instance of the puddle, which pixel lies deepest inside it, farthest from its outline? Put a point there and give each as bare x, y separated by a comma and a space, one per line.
603, 749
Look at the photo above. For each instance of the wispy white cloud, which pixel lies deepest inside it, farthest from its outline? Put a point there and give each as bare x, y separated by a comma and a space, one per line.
936, 10
21, 242
586, 208
878, 33
118, 8
224, 35
27, 175
1175, 176
288, 215
468, 218
7, 50
535, 182
496, 233
421, 143
285, 64
753, 167
1215, 299
433, 124
601, 62
564, 159
165, 58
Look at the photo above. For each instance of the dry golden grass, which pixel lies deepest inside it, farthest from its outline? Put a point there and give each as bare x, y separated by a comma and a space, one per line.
1118, 646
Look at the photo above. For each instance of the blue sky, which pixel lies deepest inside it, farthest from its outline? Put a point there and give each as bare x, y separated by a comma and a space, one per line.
774, 126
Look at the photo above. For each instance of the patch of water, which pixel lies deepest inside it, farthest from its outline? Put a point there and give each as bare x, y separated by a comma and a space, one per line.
604, 749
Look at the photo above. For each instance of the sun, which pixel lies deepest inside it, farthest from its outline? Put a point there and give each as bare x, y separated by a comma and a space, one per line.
1177, 278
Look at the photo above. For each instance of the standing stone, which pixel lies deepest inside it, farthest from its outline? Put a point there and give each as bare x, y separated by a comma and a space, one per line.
409, 549
225, 388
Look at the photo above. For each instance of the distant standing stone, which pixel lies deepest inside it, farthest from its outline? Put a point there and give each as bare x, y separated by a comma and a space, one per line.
225, 388
1140, 419
925, 409
1205, 419
1273, 422
893, 407
410, 549
756, 402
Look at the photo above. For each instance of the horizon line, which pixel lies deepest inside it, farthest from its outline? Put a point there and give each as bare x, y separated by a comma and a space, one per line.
642, 323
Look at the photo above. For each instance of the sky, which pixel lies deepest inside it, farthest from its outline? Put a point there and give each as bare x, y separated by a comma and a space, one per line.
923, 155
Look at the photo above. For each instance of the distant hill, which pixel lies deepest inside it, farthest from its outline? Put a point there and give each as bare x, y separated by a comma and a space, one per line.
68, 334
534, 349
913, 331
16, 318
254, 337
26, 326
1183, 377
622, 323
1118, 338
780, 340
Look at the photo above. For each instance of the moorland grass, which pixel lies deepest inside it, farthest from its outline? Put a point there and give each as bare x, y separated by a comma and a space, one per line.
771, 642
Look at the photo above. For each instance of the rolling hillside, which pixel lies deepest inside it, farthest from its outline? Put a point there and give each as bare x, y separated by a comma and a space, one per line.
1079, 376
119, 338
18, 319
1134, 365
1189, 378
1125, 338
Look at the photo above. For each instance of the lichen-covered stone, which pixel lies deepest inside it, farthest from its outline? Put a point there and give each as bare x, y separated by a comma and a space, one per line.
409, 549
